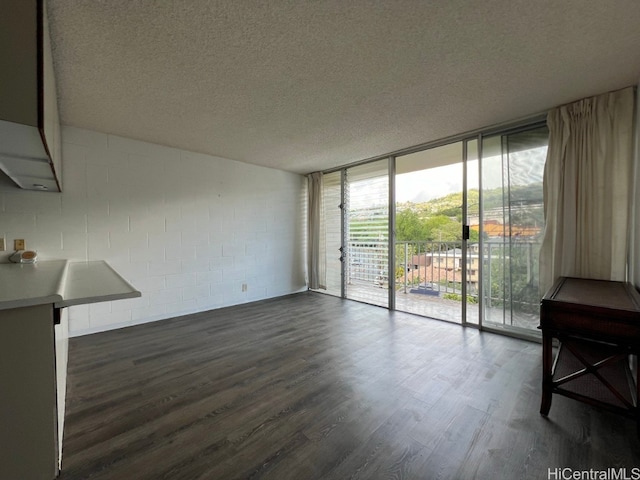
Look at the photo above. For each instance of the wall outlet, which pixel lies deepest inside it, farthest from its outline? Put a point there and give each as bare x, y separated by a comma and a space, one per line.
18, 244
244, 287
2, 247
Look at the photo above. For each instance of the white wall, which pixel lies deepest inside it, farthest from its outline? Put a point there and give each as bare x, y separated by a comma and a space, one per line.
186, 229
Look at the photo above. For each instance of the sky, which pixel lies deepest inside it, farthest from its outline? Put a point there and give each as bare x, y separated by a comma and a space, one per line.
423, 185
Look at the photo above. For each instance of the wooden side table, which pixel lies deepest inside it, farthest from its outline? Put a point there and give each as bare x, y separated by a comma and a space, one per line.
598, 325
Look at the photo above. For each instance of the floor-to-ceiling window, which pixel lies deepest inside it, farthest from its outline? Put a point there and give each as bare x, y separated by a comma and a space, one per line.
436, 253
366, 210
429, 227
468, 220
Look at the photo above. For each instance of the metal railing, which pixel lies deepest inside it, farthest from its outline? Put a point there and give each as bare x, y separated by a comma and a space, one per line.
435, 268
429, 267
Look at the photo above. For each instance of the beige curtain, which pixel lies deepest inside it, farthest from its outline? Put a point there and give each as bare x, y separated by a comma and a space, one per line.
587, 189
316, 233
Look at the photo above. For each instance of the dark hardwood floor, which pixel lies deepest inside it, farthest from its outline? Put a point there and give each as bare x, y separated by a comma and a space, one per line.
310, 386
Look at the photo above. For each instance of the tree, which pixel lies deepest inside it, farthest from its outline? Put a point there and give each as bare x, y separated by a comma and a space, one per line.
409, 226
440, 228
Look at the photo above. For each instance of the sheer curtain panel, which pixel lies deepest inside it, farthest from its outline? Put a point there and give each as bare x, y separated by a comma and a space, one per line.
316, 233
587, 189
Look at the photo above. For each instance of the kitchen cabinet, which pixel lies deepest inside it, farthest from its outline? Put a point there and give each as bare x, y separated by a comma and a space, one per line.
28, 413
30, 145
33, 356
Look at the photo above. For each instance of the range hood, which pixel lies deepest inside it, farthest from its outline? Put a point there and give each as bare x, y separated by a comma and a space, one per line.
29, 124
24, 157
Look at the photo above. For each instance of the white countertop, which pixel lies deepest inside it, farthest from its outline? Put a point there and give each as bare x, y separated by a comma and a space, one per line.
61, 283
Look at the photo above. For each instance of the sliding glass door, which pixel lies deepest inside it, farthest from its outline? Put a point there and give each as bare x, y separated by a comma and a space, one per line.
428, 243
434, 260
467, 224
512, 227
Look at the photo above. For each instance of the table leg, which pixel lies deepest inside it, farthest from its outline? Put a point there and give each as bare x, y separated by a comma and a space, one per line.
547, 373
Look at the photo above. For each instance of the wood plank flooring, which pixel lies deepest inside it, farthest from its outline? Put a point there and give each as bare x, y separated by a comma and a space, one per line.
310, 386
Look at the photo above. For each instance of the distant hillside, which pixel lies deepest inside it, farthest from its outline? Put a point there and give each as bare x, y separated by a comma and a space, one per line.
450, 205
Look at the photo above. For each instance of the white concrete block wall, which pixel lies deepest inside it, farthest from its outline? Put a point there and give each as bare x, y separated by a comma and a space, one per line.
186, 229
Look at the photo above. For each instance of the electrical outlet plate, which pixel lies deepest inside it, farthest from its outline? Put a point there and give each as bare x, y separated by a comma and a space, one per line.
18, 244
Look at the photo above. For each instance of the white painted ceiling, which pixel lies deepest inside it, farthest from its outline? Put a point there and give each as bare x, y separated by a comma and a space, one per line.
308, 85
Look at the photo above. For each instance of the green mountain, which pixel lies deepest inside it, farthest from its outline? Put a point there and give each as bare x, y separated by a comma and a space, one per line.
440, 219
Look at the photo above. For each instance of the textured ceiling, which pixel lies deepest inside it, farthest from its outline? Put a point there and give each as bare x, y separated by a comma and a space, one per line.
308, 85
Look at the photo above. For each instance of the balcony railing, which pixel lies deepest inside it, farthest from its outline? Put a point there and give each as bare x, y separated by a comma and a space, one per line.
429, 266
435, 269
